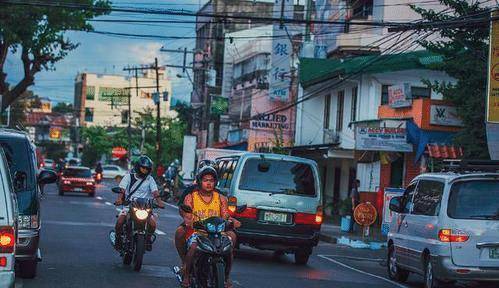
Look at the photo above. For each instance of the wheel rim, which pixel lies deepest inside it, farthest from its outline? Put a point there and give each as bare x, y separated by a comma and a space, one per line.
393, 263
429, 276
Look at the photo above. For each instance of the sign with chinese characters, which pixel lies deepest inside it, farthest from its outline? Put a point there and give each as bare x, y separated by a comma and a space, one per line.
399, 96
382, 139
271, 122
282, 50
493, 86
444, 115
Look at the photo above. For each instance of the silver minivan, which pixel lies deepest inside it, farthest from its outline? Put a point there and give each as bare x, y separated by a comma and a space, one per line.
8, 225
446, 228
278, 200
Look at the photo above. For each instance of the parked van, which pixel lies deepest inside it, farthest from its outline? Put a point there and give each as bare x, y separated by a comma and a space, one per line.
278, 200
8, 225
446, 229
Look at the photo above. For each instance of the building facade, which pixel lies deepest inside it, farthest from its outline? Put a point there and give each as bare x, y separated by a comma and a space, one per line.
102, 100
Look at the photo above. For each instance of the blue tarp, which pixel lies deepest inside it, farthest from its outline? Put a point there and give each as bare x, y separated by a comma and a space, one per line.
420, 138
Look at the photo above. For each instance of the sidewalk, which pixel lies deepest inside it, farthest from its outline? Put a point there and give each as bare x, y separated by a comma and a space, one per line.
331, 232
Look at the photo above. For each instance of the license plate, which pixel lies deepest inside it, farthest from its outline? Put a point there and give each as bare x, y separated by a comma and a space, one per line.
78, 189
494, 253
275, 217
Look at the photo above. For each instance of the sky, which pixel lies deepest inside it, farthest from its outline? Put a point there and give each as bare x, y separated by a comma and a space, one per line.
110, 54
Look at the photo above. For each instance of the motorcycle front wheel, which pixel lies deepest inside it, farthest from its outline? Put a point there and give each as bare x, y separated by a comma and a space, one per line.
220, 275
140, 246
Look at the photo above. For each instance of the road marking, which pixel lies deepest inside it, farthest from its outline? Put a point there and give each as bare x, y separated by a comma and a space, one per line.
356, 258
99, 198
108, 203
171, 205
362, 272
159, 232
72, 223
93, 204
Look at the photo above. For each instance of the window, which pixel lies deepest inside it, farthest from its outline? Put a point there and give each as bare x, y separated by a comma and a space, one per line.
77, 173
327, 111
353, 112
428, 197
477, 199
18, 157
407, 198
339, 111
384, 94
361, 9
397, 172
278, 177
110, 168
420, 92
124, 117
89, 114
226, 173
90, 93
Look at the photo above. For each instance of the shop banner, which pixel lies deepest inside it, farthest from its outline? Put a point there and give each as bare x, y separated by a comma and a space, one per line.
382, 139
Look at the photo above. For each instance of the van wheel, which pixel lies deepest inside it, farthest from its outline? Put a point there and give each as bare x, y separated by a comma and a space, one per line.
28, 269
394, 271
429, 275
301, 256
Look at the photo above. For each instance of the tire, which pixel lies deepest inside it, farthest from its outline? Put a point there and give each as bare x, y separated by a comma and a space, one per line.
27, 269
430, 281
301, 256
220, 275
394, 271
140, 247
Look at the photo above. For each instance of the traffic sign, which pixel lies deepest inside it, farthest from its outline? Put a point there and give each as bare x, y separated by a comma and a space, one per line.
365, 214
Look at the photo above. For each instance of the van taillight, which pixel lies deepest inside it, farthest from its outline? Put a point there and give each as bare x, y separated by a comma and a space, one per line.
310, 219
452, 236
248, 213
7, 240
319, 215
232, 203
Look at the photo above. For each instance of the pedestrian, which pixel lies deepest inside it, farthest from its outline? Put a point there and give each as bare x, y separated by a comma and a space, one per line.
355, 196
160, 170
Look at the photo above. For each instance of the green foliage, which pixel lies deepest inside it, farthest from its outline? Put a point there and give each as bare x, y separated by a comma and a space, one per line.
37, 35
63, 108
97, 142
465, 53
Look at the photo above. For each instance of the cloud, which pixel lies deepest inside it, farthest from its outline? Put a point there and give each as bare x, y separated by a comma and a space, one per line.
145, 52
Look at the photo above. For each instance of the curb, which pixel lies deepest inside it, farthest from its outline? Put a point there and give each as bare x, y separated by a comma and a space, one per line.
328, 239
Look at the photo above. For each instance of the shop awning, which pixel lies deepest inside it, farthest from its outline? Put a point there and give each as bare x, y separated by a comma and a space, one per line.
421, 138
313, 70
444, 151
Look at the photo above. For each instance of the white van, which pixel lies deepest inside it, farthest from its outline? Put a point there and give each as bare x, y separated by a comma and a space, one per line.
8, 225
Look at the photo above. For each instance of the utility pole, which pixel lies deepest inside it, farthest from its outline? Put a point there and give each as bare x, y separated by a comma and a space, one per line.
158, 115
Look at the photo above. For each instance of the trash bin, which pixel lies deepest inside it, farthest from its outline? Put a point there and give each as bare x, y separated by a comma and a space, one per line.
346, 223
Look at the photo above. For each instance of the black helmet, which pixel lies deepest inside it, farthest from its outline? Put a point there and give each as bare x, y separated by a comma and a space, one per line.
206, 170
144, 162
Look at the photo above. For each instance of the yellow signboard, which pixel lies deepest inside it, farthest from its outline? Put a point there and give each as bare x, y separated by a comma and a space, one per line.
493, 91
55, 133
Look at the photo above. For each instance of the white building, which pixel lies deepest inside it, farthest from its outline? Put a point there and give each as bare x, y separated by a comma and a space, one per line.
102, 100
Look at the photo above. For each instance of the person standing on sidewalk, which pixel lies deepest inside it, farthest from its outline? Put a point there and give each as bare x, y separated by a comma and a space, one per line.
355, 196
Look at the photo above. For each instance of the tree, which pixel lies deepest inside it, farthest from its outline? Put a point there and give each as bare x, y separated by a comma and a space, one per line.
464, 52
35, 33
63, 108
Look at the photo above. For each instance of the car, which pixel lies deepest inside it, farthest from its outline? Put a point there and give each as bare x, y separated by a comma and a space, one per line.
446, 227
113, 172
48, 164
8, 225
21, 159
77, 179
278, 200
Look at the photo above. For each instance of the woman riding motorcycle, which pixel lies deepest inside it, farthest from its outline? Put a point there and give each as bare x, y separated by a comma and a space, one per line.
205, 202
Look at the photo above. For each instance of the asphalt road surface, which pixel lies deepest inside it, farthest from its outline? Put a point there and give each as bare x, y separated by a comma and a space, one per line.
77, 253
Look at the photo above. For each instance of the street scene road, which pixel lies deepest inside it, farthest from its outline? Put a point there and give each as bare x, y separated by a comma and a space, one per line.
77, 253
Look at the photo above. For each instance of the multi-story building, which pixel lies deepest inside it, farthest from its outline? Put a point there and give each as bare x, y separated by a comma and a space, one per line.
102, 100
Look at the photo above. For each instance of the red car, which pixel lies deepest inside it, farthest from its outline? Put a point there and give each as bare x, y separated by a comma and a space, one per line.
77, 179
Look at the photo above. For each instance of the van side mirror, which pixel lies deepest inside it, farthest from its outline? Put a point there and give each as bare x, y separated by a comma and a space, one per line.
47, 177
396, 204
116, 190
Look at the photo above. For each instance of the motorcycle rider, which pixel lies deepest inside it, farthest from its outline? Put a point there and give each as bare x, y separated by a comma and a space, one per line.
144, 186
205, 202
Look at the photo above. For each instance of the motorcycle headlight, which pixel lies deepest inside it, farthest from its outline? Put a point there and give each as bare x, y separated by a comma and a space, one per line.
210, 227
221, 228
141, 214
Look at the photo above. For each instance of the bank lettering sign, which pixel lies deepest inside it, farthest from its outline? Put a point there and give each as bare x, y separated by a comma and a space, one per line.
382, 139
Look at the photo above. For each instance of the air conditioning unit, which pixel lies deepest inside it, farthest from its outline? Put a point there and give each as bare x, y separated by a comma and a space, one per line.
331, 137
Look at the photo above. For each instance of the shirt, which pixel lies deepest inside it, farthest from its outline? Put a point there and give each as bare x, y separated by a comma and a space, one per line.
144, 191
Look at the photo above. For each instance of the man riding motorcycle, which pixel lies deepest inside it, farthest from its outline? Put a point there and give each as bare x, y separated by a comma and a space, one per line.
138, 184
205, 202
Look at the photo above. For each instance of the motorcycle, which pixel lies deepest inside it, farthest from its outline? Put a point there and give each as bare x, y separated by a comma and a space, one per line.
98, 177
134, 235
214, 249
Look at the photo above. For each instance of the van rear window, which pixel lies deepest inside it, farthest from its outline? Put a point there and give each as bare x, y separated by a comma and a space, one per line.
278, 177
476, 199
18, 158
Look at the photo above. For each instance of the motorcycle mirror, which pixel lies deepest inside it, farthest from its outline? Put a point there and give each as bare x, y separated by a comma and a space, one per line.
185, 208
240, 209
116, 190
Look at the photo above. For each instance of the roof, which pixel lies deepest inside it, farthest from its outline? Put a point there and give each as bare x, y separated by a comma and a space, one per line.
77, 168
12, 133
313, 70
37, 118
269, 156
452, 176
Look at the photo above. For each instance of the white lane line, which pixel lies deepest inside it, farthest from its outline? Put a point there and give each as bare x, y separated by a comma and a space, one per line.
362, 272
71, 223
171, 205
99, 198
356, 258
108, 203
159, 232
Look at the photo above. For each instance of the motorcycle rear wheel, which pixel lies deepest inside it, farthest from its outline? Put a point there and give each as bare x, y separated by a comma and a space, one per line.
140, 246
220, 275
